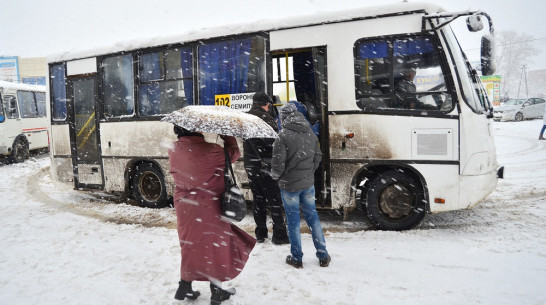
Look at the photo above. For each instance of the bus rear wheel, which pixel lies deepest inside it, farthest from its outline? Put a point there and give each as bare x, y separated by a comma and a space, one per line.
148, 186
20, 151
395, 201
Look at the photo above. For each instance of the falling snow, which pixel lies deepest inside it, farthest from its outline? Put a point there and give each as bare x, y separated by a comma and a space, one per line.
61, 246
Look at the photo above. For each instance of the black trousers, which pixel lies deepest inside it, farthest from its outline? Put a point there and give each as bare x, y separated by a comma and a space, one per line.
267, 195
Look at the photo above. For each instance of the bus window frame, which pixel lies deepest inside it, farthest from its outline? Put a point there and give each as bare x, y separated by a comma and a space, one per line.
2, 112
101, 93
44, 101
22, 102
267, 62
443, 64
163, 77
454, 47
55, 121
12, 107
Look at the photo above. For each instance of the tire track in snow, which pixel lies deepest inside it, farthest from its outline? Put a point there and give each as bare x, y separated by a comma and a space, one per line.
35, 190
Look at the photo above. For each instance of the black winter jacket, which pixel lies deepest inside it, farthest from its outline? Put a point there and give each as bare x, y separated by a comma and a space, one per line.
258, 151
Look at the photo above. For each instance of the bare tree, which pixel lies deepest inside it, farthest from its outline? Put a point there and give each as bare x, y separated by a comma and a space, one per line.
514, 50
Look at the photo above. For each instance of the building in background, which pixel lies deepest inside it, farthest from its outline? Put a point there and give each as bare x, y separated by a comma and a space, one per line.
492, 85
16, 69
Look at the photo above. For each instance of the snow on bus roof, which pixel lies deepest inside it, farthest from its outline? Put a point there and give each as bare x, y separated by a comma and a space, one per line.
19, 86
252, 27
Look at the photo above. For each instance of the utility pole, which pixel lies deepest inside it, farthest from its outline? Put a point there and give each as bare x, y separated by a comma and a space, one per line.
523, 75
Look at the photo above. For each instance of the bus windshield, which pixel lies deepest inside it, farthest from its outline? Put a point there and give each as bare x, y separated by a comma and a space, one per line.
471, 90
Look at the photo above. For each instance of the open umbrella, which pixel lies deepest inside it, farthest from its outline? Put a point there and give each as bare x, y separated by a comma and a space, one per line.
221, 120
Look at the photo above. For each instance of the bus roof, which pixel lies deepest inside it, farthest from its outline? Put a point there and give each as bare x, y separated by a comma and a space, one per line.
252, 27
18, 86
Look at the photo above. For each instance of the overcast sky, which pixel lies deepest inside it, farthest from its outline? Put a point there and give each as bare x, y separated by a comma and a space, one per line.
37, 28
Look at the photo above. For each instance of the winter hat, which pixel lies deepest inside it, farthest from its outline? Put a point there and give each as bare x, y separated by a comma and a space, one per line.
262, 99
288, 109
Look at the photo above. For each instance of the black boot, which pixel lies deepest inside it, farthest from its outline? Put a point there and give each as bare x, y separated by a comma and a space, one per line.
261, 234
185, 291
280, 239
280, 236
218, 294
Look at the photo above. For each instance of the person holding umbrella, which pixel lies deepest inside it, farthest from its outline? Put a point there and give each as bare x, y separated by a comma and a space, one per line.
265, 192
212, 248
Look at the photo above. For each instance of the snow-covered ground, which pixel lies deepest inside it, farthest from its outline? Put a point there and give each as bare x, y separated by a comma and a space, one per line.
60, 246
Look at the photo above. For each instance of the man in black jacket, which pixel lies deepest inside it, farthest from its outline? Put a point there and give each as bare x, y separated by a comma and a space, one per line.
266, 193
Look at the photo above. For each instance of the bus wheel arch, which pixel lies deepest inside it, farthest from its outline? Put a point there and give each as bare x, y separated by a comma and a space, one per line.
393, 197
146, 184
20, 150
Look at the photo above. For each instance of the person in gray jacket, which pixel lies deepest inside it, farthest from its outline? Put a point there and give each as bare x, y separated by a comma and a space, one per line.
296, 156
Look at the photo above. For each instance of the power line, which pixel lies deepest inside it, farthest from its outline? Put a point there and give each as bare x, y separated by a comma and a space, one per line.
518, 42
512, 43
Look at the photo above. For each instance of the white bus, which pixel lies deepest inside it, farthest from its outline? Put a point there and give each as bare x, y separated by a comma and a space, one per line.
395, 155
23, 120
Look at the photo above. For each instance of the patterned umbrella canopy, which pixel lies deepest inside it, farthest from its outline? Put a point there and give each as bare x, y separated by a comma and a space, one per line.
220, 120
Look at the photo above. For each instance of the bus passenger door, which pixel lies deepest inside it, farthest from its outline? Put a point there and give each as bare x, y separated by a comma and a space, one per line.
84, 133
300, 77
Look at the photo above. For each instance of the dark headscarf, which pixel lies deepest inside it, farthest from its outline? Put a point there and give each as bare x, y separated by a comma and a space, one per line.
183, 132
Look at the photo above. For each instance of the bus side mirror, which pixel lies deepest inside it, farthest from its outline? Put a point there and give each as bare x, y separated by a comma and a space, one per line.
474, 23
489, 113
487, 55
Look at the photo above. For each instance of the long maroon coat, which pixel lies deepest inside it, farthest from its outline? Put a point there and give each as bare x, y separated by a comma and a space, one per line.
212, 247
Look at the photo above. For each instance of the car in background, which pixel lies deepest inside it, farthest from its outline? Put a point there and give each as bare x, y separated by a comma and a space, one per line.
519, 109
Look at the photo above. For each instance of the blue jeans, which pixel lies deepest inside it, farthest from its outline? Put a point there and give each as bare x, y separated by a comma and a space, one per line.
292, 202
542, 130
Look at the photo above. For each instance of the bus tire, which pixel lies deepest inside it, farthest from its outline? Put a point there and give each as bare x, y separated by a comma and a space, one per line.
395, 201
148, 186
20, 151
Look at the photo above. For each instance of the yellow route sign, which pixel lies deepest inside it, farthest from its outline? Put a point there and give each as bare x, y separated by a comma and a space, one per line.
237, 101
222, 100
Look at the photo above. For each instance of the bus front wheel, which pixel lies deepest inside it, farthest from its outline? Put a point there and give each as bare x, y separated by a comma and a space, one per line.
20, 151
148, 186
395, 201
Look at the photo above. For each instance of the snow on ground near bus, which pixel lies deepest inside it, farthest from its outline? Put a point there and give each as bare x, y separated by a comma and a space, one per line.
60, 246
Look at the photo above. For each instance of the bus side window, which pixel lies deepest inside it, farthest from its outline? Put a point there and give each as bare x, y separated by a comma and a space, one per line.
372, 69
400, 73
27, 104
41, 104
2, 117
13, 113
165, 81
118, 88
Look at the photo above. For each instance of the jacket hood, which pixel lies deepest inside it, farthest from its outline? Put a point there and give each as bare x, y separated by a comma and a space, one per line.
287, 109
293, 119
